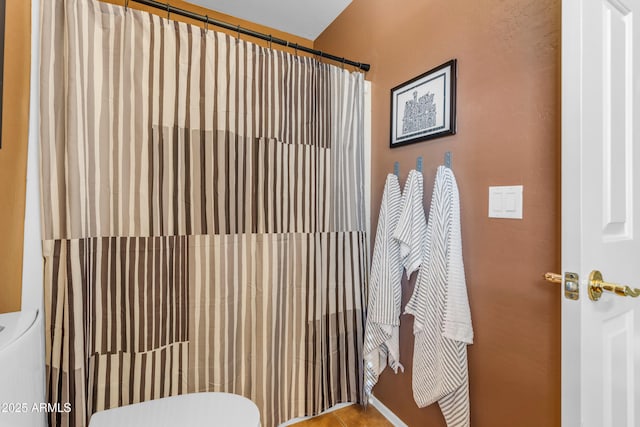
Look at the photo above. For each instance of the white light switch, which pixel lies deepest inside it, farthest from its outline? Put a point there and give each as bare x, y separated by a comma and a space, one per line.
505, 202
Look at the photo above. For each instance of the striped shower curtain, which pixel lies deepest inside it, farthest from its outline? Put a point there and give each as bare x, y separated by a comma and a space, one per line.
203, 212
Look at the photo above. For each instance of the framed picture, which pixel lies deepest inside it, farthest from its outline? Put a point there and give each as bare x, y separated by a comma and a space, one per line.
425, 106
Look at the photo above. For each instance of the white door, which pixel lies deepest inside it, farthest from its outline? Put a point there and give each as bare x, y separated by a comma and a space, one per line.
601, 210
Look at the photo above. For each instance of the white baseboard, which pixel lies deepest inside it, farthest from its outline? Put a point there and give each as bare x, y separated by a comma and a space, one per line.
388, 414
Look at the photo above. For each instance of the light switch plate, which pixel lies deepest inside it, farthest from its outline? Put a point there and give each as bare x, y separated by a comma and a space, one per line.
505, 202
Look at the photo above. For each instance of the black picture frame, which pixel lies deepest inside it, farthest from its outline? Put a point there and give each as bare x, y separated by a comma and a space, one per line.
424, 107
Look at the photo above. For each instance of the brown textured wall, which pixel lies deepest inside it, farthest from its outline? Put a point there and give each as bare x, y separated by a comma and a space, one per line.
508, 134
13, 155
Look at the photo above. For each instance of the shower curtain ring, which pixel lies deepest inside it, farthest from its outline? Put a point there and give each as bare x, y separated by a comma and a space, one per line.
343, 64
238, 30
270, 40
206, 24
126, 5
168, 11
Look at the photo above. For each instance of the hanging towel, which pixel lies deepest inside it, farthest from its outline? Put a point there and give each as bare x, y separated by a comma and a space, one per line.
383, 313
411, 230
442, 325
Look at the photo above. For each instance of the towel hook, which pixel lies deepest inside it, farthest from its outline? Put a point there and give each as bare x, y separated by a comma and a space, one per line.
419, 164
447, 159
396, 169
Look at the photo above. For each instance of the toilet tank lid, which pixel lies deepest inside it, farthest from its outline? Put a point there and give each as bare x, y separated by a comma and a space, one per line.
15, 325
193, 410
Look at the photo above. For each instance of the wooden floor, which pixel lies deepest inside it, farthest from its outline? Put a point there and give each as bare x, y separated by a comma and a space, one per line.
351, 416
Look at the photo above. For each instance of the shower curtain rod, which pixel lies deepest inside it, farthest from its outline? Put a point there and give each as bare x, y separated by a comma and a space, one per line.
237, 28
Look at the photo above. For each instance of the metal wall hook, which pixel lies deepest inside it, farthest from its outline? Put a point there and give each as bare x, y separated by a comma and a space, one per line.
447, 159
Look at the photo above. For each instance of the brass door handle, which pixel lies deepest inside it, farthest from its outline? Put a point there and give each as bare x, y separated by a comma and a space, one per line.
597, 286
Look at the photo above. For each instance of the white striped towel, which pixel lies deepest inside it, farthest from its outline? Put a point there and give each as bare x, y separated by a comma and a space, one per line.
442, 325
383, 311
412, 225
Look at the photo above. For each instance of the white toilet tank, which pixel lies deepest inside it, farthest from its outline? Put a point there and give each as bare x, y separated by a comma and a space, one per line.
22, 375
207, 409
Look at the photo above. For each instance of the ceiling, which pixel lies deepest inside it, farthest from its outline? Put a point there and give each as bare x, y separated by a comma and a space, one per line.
303, 18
